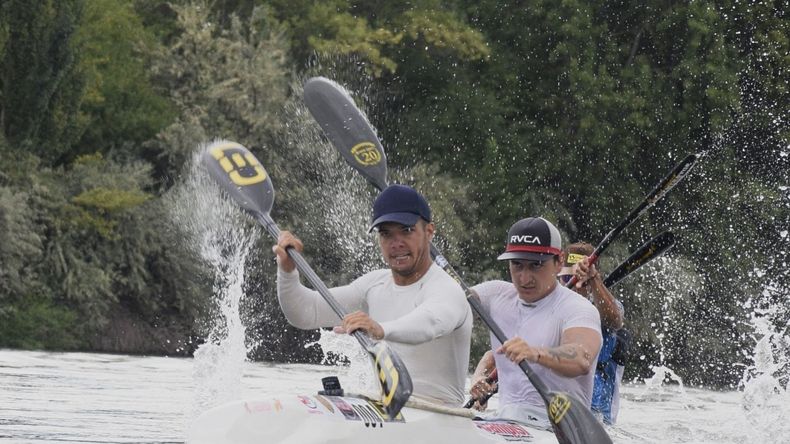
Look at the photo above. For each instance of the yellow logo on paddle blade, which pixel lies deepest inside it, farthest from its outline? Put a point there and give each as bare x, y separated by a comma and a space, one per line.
388, 374
642, 259
558, 406
574, 258
242, 167
365, 153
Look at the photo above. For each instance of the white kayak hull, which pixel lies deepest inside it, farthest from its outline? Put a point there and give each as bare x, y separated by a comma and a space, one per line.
307, 419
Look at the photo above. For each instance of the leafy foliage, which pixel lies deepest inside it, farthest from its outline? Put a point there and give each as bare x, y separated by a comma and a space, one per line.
39, 76
377, 33
122, 107
226, 82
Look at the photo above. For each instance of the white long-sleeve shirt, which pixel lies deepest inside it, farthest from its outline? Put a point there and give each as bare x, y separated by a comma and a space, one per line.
428, 323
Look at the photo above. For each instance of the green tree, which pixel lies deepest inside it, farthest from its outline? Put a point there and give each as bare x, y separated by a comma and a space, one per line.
579, 110
40, 81
226, 82
120, 105
103, 263
379, 33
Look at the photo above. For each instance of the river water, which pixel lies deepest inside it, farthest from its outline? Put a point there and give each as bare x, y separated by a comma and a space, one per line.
99, 398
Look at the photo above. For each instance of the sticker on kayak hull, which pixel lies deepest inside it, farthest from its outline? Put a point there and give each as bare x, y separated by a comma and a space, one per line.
368, 415
345, 408
325, 403
371, 413
263, 406
511, 432
308, 402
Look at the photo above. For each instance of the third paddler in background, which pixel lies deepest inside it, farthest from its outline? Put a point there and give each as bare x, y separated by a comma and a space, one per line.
611, 359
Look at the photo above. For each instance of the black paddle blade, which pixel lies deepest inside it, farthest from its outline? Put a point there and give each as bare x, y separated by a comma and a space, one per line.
674, 177
347, 128
395, 381
240, 175
573, 422
647, 252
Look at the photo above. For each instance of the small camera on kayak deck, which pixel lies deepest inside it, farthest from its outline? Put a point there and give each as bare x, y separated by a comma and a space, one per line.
331, 386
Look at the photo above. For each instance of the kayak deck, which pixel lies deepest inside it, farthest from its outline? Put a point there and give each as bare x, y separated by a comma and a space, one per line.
305, 419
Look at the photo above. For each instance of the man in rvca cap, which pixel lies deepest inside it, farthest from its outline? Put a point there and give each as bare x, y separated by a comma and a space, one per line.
557, 331
533, 238
413, 304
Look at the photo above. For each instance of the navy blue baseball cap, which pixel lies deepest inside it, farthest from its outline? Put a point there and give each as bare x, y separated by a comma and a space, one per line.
400, 204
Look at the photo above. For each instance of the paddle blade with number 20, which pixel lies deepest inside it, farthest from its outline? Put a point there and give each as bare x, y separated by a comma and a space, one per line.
243, 177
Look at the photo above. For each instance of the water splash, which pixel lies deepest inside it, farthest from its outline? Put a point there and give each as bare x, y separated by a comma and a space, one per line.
340, 198
223, 238
656, 387
345, 350
654, 298
766, 376
766, 400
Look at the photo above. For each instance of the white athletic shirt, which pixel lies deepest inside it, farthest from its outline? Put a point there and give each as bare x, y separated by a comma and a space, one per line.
428, 323
541, 325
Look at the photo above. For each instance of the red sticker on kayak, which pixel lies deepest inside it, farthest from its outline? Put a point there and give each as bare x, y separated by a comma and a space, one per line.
506, 430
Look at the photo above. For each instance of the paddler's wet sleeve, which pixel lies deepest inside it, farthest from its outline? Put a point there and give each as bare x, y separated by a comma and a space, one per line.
443, 311
306, 309
487, 291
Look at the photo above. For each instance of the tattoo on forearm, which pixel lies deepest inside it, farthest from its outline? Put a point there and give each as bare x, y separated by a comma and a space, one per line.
563, 352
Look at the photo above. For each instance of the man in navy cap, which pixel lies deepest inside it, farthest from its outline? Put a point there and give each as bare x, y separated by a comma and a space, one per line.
552, 327
414, 304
